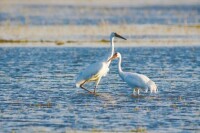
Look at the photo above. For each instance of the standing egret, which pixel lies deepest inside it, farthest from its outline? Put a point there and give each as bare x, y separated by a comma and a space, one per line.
134, 80
95, 71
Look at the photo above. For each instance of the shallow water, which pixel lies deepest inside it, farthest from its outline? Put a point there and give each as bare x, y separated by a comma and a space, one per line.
40, 14
38, 92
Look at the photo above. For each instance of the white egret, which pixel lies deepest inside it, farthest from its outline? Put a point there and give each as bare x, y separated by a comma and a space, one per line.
134, 80
95, 71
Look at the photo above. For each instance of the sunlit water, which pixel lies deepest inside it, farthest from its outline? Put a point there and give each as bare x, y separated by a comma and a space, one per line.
37, 91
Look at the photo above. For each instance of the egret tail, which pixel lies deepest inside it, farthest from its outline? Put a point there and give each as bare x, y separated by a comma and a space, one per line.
152, 86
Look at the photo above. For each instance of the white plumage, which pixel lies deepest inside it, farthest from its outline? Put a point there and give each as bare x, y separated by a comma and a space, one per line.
135, 80
93, 72
96, 71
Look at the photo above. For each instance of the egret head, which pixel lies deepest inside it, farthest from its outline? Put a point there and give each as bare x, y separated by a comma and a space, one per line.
116, 55
114, 34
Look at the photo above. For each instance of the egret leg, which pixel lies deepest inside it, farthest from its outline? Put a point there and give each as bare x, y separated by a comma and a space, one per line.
97, 82
95, 89
146, 89
136, 91
84, 87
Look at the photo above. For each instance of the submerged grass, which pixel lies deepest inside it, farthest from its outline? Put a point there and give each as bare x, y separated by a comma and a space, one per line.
58, 42
139, 130
104, 41
14, 41
136, 42
36, 41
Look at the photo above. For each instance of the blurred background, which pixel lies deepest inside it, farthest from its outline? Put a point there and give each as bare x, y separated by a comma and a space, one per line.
37, 84
152, 22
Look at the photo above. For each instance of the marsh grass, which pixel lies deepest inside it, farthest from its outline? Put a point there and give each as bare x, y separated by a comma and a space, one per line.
139, 130
43, 105
104, 41
59, 42
135, 34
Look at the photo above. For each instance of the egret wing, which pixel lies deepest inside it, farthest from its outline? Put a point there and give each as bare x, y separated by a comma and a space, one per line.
90, 72
134, 79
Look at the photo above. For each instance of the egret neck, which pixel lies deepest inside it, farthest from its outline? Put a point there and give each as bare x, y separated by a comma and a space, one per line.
112, 45
119, 66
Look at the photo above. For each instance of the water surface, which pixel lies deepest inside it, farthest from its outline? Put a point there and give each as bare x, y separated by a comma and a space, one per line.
38, 91
44, 14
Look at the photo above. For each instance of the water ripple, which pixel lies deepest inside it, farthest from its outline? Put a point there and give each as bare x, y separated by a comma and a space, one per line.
38, 92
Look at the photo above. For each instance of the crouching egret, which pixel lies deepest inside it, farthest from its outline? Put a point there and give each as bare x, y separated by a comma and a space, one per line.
134, 80
95, 71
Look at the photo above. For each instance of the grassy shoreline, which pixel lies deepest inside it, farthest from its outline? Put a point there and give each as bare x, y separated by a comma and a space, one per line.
73, 34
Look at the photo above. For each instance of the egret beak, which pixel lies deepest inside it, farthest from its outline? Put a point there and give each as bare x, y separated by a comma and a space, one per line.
110, 59
117, 35
113, 57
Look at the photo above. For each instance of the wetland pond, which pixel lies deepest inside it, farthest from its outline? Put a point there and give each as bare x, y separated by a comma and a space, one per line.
38, 91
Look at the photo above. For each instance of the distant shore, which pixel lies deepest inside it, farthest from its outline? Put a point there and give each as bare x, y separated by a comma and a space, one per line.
103, 2
85, 35
85, 23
